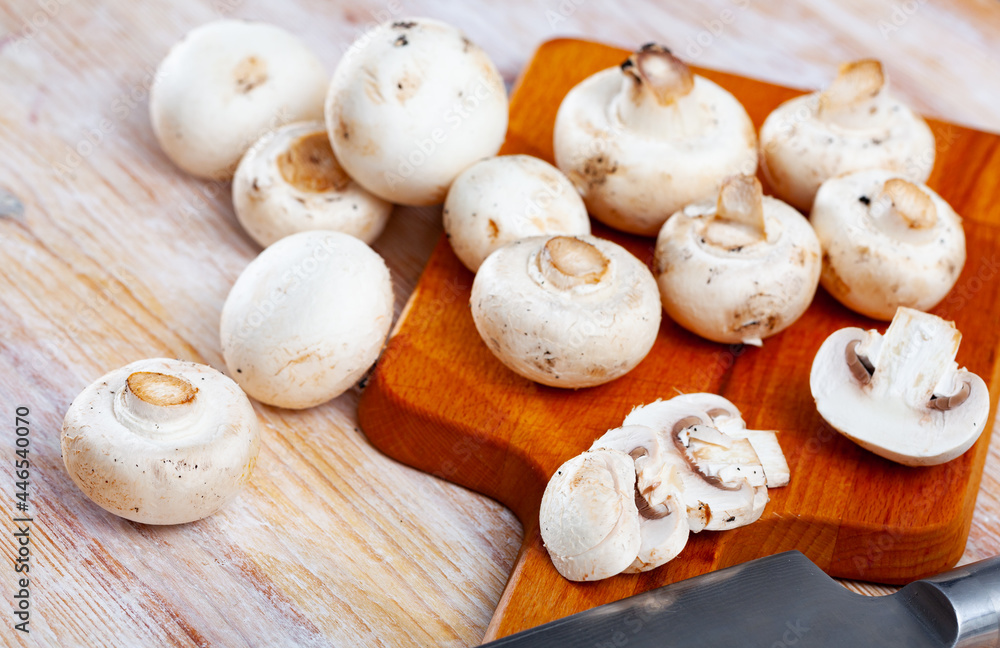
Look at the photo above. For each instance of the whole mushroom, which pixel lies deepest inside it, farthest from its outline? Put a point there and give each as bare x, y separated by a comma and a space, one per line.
886, 243
901, 395
224, 85
411, 106
502, 199
566, 311
737, 269
307, 318
290, 181
161, 441
642, 140
854, 124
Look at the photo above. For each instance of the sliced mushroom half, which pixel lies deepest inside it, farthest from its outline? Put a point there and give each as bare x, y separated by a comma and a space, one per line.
724, 484
663, 523
901, 395
588, 517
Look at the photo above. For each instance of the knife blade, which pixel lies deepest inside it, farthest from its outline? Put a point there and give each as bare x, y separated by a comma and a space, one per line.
786, 600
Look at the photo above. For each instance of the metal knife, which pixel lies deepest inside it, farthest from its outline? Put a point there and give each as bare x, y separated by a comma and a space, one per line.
785, 600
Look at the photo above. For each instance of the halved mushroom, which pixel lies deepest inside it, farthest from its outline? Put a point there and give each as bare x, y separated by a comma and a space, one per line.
502, 199
588, 516
724, 484
901, 395
290, 181
663, 523
226, 84
642, 140
411, 106
161, 441
854, 124
886, 243
566, 311
737, 269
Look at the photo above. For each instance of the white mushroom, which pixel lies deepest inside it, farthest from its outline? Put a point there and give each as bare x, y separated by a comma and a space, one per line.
566, 311
886, 243
588, 517
724, 484
224, 85
161, 441
854, 124
502, 199
290, 181
901, 395
663, 522
642, 140
738, 269
307, 318
411, 107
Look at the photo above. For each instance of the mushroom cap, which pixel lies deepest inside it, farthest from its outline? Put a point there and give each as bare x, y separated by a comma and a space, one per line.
588, 518
307, 318
726, 282
633, 175
722, 481
502, 199
892, 410
876, 258
290, 181
161, 441
410, 106
224, 85
663, 521
803, 145
566, 311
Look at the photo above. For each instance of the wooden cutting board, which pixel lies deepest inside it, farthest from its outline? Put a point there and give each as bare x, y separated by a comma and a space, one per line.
439, 400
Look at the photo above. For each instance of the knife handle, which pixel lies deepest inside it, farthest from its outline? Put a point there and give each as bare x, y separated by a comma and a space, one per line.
965, 600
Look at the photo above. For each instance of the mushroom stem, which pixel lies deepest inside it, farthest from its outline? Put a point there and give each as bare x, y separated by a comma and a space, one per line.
309, 165
739, 214
156, 405
917, 352
857, 97
567, 262
903, 203
653, 85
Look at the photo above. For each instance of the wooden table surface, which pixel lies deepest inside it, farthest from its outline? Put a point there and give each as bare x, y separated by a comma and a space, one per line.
109, 254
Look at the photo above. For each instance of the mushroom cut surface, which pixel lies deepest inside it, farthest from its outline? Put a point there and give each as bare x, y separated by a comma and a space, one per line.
566, 311
901, 395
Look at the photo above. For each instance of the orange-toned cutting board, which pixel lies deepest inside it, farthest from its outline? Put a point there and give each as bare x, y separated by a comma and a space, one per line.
439, 401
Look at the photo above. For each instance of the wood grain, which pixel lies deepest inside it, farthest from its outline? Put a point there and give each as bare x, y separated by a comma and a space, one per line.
440, 401
114, 255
